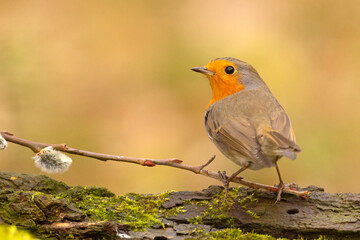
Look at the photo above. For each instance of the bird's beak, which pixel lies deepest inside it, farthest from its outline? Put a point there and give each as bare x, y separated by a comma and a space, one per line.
203, 70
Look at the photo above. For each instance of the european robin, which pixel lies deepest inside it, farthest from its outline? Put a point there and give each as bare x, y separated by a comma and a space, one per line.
244, 120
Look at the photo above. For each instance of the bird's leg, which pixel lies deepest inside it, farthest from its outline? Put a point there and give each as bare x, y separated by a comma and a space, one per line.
281, 184
226, 180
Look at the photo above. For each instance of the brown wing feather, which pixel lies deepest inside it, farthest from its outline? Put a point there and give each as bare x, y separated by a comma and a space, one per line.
281, 123
229, 134
261, 133
282, 135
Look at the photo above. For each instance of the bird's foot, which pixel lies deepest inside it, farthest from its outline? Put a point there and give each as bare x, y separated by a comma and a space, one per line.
225, 180
280, 188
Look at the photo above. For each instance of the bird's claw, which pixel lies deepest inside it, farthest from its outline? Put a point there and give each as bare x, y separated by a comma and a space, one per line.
280, 188
223, 177
225, 180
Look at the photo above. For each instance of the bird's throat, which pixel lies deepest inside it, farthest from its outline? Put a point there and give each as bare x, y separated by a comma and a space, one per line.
221, 88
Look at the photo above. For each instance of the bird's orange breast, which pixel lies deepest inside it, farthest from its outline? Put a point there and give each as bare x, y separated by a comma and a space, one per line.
222, 84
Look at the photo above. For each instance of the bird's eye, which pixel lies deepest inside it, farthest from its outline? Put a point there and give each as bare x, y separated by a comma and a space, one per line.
229, 70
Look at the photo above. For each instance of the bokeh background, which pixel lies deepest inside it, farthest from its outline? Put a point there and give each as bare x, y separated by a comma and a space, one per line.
113, 77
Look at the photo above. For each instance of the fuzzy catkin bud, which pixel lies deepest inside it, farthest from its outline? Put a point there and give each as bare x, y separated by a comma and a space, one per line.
3, 143
52, 161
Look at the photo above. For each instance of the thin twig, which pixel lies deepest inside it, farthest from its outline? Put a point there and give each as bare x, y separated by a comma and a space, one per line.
170, 162
36, 147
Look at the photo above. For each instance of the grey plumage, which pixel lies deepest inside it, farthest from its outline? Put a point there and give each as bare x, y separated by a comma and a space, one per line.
247, 131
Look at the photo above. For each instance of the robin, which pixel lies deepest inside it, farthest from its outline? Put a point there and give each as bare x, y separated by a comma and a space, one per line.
244, 120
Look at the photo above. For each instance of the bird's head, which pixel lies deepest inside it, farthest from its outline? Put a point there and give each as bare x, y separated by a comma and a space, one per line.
228, 76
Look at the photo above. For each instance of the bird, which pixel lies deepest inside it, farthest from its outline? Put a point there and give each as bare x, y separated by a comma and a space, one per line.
245, 121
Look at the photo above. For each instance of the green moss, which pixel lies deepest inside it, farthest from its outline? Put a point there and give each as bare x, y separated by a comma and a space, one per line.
197, 232
237, 234
137, 211
234, 234
196, 220
17, 208
49, 185
217, 208
8, 232
36, 194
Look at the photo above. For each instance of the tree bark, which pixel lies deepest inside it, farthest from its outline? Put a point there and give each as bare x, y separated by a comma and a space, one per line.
32, 202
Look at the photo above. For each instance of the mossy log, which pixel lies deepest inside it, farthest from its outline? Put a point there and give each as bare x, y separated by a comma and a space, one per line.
53, 210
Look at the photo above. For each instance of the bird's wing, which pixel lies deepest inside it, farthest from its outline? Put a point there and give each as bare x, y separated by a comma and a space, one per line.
237, 135
280, 122
279, 139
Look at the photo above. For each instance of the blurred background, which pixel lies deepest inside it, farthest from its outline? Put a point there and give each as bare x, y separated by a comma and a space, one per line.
113, 77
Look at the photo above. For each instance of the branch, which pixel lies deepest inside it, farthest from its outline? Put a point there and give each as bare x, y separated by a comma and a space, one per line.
170, 162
